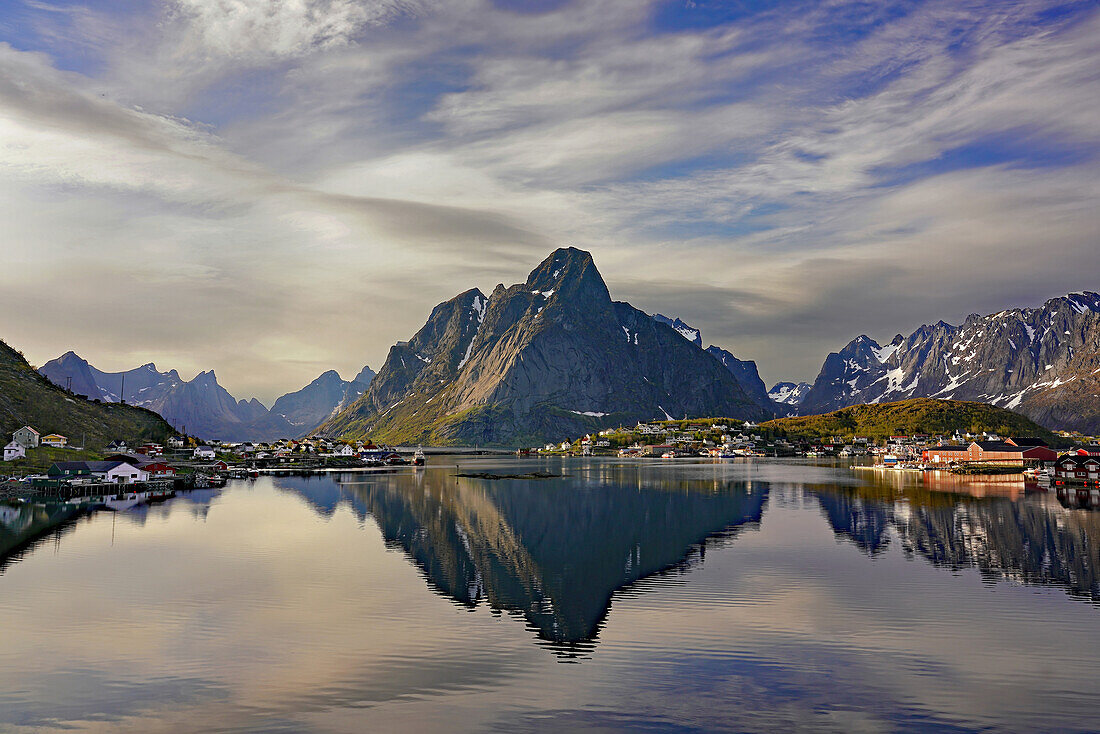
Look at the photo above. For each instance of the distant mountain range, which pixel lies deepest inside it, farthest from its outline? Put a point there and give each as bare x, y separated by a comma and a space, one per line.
1042, 362
789, 393
545, 359
554, 357
204, 408
28, 398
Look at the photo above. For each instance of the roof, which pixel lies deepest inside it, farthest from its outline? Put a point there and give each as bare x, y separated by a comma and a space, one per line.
1029, 441
29, 429
1079, 460
948, 447
94, 467
1000, 446
53, 435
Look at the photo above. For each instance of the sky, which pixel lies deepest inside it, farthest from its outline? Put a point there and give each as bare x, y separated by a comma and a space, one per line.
274, 188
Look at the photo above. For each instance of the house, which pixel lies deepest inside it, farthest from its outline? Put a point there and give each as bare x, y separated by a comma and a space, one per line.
157, 469
1088, 450
203, 452
26, 437
14, 451
54, 439
1078, 469
345, 450
175, 442
116, 472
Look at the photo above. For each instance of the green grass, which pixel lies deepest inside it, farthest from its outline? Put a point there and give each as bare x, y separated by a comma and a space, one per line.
907, 417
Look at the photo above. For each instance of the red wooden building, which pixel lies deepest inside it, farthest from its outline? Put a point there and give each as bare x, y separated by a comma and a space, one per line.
1084, 469
994, 452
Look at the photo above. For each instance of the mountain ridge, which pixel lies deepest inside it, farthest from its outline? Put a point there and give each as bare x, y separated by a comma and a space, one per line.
1043, 362
536, 361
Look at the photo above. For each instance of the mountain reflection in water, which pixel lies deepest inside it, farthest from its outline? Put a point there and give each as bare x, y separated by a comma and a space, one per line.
695, 596
553, 551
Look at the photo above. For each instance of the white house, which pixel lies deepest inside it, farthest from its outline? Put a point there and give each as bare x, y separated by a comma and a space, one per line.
14, 451
26, 437
204, 452
345, 450
125, 473
175, 442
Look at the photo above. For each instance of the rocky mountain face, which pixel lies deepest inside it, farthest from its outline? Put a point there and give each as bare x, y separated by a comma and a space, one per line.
789, 393
744, 371
693, 335
201, 406
546, 359
321, 399
1043, 362
28, 398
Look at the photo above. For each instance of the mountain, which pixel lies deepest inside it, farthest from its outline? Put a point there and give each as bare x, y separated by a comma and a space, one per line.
906, 417
28, 398
691, 334
309, 407
745, 372
1043, 362
542, 360
200, 406
788, 393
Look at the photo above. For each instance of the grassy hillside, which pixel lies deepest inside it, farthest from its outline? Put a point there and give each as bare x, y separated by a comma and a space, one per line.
28, 398
906, 417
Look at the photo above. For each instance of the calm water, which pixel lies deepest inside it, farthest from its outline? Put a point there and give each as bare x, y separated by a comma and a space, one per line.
647, 596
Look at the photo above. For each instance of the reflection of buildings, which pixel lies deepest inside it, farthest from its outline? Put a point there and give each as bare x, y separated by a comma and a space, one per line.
28, 524
551, 551
1033, 540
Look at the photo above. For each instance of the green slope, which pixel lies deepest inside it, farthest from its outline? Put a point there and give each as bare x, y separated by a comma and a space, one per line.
906, 417
28, 398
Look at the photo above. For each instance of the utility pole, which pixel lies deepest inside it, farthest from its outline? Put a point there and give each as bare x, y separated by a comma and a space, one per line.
122, 390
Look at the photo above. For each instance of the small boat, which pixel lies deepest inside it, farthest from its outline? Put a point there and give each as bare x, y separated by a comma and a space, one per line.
418, 458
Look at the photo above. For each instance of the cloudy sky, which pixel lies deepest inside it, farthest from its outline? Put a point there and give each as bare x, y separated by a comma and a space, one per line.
272, 188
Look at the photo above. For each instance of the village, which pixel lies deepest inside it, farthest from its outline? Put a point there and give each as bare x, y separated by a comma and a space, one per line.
119, 475
959, 452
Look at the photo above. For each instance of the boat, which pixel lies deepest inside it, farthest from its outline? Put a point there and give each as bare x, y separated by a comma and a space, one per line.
418, 458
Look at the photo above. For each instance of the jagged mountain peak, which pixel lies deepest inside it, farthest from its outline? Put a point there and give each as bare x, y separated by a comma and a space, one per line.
1044, 362
365, 375
789, 393
571, 273
685, 330
547, 358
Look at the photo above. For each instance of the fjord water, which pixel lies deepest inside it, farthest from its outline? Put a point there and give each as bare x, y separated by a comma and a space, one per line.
662, 596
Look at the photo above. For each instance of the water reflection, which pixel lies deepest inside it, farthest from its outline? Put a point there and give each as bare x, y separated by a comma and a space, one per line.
553, 551
24, 527
1008, 531
361, 602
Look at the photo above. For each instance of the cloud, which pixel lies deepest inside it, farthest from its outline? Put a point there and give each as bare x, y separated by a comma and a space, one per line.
327, 171
260, 29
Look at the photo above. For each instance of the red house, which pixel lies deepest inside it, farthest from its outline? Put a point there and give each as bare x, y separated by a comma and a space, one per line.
1072, 468
158, 469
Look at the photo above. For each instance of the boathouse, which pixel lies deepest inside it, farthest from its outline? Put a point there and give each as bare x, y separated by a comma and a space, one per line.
994, 452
